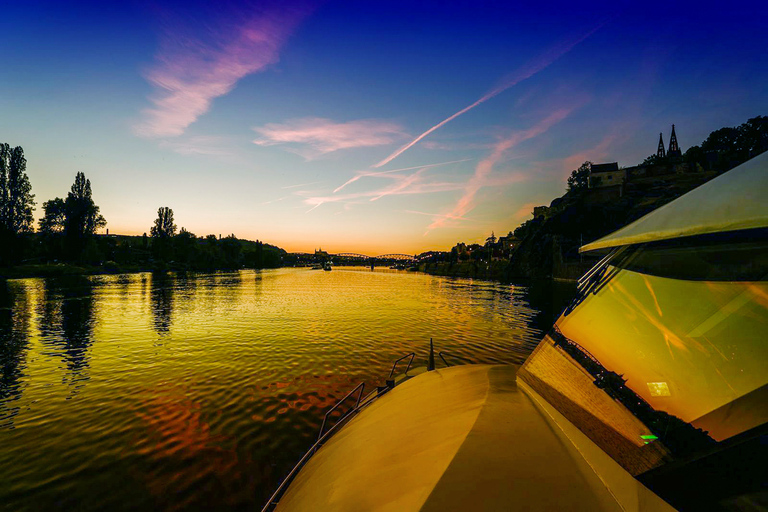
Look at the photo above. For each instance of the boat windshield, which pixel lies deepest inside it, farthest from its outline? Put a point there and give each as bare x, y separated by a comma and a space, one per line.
663, 353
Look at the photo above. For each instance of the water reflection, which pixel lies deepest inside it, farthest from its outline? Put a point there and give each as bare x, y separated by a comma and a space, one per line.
162, 301
234, 392
14, 340
66, 313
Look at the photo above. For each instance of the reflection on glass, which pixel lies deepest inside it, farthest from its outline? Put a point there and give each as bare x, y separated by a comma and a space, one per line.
655, 367
696, 346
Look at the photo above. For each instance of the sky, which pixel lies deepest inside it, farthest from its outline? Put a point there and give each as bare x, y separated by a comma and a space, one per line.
361, 126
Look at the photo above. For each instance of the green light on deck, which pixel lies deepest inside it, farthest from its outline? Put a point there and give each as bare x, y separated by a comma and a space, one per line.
649, 438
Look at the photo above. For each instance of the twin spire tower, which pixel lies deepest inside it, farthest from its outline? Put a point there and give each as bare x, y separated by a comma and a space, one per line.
674, 149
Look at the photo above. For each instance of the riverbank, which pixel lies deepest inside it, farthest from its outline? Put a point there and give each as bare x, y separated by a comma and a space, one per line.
64, 269
109, 267
502, 271
492, 271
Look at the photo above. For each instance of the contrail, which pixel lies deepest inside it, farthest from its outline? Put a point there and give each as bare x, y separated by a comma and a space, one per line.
301, 185
532, 68
485, 167
446, 215
364, 174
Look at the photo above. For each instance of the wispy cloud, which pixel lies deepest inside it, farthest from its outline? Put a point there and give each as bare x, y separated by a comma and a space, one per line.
276, 200
561, 168
454, 146
389, 173
199, 145
447, 216
530, 69
190, 72
317, 136
416, 183
300, 185
485, 167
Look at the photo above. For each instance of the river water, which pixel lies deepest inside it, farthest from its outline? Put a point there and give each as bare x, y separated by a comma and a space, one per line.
170, 392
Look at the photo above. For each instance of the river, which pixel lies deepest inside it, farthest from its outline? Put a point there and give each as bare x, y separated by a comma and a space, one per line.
200, 391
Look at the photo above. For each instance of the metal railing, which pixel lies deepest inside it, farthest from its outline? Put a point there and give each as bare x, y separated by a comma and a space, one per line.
323, 435
361, 387
321, 438
394, 365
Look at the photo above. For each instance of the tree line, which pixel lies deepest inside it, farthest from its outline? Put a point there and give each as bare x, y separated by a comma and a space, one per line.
67, 233
725, 148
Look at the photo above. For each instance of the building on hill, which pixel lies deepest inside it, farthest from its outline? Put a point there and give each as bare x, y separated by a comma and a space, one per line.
674, 150
606, 175
508, 242
540, 212
661, 152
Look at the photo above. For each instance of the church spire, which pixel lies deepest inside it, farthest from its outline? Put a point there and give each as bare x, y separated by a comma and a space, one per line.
674, 149
661, 153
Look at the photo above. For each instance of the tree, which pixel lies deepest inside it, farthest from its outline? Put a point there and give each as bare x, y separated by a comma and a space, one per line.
753, 136
579, 178
164, 226
231, 248
54, 217
724, 140
655, 160
185, 246
82, 214
16, 199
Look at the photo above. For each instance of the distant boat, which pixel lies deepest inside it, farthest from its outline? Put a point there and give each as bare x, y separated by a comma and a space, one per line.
317, 266
327, 266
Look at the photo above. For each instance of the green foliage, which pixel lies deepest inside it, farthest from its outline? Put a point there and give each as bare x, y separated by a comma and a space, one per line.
725, 148
68, 226
164, 226
579, 179
655, 160
54, 217
82, 217
16, 199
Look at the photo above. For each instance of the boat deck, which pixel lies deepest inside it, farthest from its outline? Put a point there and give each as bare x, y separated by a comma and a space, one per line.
460, 438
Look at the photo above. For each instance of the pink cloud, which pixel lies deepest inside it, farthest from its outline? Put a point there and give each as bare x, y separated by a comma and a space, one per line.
199, 145
325, 136
530, 69
482, 176
445, 215
190, 73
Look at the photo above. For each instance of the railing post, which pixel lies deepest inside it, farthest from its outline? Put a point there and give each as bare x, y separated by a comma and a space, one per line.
431, 362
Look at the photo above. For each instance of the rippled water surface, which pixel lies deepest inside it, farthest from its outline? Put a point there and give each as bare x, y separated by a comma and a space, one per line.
201, 391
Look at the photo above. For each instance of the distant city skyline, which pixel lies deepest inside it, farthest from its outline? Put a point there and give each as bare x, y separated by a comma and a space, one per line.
364, 127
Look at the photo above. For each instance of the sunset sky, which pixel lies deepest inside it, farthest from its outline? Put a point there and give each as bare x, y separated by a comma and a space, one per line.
365, 126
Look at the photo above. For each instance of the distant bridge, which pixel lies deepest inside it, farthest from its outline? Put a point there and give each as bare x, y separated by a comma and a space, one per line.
356, 256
